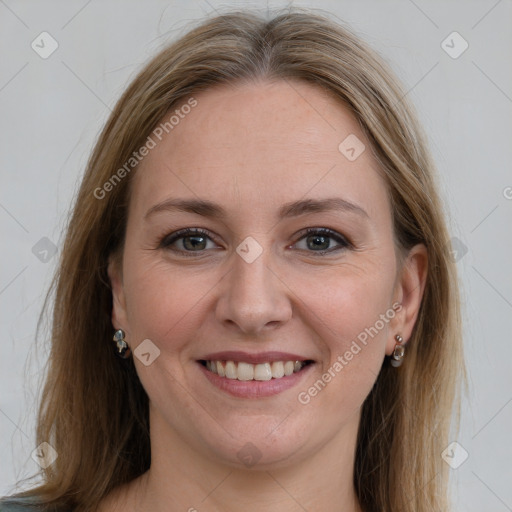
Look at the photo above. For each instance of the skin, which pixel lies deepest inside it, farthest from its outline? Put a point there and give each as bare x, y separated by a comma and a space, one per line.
251, 148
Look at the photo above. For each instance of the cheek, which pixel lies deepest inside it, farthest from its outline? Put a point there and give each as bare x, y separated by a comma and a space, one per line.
351, 314
357, 308
346, 302
163, 301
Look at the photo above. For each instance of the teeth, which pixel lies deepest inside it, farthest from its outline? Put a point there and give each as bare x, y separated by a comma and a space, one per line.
263, 372
247, 371
231, 371
277, 369
289, 366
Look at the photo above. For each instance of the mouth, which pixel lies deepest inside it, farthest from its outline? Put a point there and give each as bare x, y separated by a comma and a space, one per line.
244, 374
241, 379
245, 371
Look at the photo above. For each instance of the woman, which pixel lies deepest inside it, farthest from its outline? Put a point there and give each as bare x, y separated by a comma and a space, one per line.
255, 305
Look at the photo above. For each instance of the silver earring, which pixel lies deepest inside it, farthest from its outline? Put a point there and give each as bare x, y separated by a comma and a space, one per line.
398, 354
123, 350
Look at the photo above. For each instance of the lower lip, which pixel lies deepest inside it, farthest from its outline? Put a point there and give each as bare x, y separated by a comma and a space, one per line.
255, 388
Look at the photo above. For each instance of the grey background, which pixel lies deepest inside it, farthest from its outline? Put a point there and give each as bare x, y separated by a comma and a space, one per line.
52, 110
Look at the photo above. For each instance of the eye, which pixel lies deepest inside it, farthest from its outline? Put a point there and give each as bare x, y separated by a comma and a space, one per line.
319, 240
190, 240
195, 240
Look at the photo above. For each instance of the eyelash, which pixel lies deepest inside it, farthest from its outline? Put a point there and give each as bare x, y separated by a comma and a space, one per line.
183, 233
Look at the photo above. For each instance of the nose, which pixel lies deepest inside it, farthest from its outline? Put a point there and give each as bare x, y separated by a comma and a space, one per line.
253, 297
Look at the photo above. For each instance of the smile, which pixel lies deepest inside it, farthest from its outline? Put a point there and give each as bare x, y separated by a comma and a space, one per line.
254, 381
239, 370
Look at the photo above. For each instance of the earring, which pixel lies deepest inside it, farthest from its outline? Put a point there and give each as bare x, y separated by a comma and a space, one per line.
398, 354
123, 350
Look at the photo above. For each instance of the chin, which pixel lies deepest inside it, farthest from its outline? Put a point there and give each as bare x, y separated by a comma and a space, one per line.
262, 447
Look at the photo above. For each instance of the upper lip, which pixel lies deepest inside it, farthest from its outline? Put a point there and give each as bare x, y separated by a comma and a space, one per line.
260, 357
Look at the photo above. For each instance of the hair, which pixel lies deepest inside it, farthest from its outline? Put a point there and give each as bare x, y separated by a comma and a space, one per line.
94, 410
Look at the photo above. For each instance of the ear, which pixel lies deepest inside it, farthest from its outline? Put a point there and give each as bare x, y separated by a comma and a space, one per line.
409, 293
115, 274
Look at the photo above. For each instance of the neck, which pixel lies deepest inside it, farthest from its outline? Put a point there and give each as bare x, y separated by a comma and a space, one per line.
181, 479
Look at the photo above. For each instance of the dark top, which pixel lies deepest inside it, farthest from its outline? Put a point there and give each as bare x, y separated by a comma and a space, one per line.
17, 504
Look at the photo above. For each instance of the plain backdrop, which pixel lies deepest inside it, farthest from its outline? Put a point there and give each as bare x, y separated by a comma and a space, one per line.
53, 108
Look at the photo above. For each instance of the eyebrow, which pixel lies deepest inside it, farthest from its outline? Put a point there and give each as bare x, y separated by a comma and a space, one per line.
210, 209
293, 209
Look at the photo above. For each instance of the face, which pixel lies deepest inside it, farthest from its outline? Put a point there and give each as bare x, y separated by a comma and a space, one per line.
254, 280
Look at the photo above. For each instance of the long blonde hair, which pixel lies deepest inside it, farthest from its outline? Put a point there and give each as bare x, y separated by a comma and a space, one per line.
94, 410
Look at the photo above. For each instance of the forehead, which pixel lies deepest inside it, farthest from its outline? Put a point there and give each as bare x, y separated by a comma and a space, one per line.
256, 145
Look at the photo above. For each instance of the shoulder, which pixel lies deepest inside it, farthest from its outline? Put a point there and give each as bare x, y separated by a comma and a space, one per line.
19, 504
25, 504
